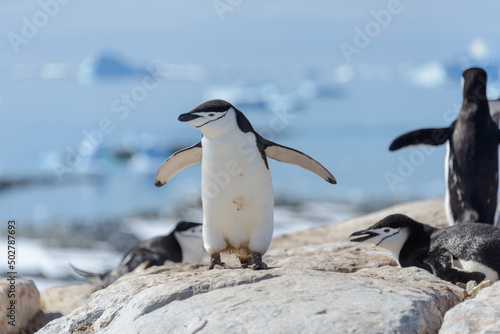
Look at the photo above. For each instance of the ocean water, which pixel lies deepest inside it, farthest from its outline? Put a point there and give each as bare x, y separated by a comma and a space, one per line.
349, 135
88, 111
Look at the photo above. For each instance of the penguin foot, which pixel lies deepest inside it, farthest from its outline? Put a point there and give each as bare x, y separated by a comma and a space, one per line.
216, 261
255, 263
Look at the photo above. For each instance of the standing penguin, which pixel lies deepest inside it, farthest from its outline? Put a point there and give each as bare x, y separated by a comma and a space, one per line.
183, 244
471, 164
236, 187
460, 253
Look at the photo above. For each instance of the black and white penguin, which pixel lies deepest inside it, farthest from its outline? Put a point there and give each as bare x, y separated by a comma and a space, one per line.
236, 188
459, 253
183, 244
471, 164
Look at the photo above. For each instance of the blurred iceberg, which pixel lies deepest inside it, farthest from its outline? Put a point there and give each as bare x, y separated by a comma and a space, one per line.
429, 75
107, 65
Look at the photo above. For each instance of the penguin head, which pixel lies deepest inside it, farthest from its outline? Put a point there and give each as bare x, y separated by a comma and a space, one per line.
390, 233
213, 118
188, 230
190, 239
474, 86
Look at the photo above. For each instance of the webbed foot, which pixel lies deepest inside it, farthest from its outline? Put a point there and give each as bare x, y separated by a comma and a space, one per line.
216, 261
255, 262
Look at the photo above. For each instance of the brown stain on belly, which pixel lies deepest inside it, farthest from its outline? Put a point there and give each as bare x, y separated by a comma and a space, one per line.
239, 202
243, 252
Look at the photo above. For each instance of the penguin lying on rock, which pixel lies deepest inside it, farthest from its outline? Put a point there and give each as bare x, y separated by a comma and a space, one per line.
471, 163
183, 244
459, 253
236, 188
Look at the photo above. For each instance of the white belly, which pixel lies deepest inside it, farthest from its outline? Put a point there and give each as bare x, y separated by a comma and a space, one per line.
447, 206
237, 195
473, 266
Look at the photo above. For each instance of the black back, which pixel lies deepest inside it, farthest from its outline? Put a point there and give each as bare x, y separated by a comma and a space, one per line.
472, 180
472, 242
473, 146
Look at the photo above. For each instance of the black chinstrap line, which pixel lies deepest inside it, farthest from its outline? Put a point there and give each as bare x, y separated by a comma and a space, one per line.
388, 237
199, 126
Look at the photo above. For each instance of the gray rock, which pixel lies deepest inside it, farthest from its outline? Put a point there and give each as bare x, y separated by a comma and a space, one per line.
478, 315
317, 283
294, 296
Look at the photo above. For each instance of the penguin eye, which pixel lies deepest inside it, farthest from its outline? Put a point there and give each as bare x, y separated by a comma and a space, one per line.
211, 115
386, 230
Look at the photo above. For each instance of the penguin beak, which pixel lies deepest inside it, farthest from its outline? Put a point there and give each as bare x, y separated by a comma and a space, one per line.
187, 117
362, 236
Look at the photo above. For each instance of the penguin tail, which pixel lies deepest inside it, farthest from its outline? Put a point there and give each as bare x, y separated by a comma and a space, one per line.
94, 277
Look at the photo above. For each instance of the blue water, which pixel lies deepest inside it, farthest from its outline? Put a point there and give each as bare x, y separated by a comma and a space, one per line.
48, 100
349, 135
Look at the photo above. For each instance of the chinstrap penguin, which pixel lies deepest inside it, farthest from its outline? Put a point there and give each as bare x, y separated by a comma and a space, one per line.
471, 163
183, 244
237, 192
459, 253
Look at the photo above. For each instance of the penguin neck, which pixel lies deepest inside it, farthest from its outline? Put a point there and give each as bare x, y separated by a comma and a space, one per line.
191, 247
224, 127
475, 104
229, 136
416, 247
397, 245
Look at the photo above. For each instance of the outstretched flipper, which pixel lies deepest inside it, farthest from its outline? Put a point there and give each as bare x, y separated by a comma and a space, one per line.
178, 161
294, 157
434, 137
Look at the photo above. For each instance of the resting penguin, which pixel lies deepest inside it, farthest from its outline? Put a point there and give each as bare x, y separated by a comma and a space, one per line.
183, 244
471, 164
459, 253
236, 188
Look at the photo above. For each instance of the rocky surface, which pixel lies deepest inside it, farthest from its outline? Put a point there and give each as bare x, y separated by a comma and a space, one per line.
317, 283
293, 296
64, 299
477, 315
20, 302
